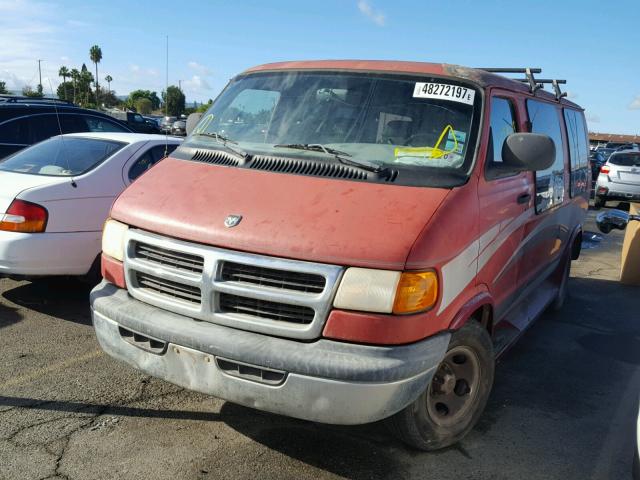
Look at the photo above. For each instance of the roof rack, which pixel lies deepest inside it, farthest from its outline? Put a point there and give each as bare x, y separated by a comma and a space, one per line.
534, 83
24, 99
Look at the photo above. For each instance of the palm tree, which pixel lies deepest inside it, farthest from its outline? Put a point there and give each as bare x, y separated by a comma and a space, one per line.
64, 73
75, 76
95, 54
108, 79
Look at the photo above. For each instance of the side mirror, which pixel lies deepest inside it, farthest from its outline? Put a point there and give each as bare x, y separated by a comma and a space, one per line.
617, 219
192, 121
528, 151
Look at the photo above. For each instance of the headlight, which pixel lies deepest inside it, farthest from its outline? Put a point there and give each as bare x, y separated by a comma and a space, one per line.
113, 239
386, 291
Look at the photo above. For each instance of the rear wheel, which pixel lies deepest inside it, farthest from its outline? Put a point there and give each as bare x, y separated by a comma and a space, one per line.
599, 202
456, 396
563, 287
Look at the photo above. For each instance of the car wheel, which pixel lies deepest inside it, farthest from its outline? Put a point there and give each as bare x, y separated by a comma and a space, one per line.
454, 400
599, 202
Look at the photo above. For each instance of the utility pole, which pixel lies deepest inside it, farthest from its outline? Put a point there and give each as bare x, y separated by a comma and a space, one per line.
40, 76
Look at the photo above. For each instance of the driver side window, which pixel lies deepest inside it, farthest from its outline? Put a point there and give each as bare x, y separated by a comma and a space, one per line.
502, 124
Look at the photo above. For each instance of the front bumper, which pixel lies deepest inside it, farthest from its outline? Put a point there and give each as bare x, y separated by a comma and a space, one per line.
324, 381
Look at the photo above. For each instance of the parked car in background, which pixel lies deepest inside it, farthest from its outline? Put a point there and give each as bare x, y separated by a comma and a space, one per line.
605, 152
136, 122
619, 178
166, 124
350, 241
179, 127
621, 145
155, 119
25, 121
55, 197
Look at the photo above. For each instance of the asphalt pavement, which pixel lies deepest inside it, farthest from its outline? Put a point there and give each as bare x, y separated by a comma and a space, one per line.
564, 403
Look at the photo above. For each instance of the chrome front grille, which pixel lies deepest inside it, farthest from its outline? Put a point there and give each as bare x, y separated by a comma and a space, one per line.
269, 277
270, 295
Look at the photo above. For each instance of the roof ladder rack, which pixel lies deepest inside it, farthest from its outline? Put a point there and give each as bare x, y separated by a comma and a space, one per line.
528, 71
534, 83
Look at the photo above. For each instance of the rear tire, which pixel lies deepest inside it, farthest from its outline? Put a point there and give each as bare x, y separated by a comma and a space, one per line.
563, 288
599, 202
456, 396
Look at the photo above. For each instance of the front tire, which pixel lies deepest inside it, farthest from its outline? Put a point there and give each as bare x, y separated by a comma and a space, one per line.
454, 400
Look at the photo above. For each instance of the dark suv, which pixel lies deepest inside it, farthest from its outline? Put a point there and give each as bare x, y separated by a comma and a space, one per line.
25, 121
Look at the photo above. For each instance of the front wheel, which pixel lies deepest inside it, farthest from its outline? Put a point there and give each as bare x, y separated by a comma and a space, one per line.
456, 396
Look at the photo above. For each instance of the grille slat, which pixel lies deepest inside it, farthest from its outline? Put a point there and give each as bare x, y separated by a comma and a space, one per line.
170, 258
165, 287
268, 277
266, 309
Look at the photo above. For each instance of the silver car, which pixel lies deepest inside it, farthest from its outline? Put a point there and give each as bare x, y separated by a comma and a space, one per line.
619, 178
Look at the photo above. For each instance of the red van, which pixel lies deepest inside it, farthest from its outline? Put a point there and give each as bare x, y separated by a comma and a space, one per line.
350, 241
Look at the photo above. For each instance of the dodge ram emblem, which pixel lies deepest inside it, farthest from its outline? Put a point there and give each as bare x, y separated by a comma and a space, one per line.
232, 220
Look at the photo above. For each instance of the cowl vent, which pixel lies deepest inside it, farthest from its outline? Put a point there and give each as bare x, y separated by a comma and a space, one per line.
306, 167
216, 157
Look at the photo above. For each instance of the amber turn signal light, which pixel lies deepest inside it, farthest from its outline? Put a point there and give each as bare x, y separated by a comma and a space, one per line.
416, 292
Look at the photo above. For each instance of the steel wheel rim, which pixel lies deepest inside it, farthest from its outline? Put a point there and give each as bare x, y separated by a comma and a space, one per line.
454, 387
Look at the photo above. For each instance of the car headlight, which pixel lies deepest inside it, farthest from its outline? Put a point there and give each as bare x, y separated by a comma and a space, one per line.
113, 239
386, 291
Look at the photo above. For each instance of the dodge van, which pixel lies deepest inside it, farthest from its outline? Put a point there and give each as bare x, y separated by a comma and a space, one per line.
350, 241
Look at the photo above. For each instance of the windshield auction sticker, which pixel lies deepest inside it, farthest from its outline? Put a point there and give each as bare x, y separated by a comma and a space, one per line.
443, 91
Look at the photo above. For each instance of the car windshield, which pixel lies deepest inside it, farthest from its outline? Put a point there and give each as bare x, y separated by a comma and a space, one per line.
385, 120
61, 156
625, 159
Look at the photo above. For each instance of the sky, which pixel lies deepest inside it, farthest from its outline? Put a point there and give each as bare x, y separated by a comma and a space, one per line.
592, 44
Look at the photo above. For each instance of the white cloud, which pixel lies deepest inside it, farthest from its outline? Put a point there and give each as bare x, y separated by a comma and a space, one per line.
201, 69
195, 84
571, 95
635, 103
593, 118
376, 16
134, 68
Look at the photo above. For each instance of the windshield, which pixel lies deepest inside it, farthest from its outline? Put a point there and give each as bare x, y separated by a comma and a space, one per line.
390, 121
61, 156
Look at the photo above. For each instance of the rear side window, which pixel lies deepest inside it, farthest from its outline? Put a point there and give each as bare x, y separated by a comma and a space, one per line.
578, 150
99, 124
15, 132
502, 125
625, 159
61, 157
149, 159
545, 119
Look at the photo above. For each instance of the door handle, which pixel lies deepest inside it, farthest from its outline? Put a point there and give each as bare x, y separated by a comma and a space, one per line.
524, 198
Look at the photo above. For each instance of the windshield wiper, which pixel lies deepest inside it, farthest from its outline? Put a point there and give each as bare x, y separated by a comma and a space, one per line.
337, 154
224, 141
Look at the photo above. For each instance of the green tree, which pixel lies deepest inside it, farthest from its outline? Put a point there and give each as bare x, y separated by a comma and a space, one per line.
137, 94
174, 100
143, 105
3, 88
65, 90
108, 79
27, 91
75, 76
95, 54
84, 86
64, 73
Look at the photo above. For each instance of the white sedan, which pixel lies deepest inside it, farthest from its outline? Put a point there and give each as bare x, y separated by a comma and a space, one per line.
55, 197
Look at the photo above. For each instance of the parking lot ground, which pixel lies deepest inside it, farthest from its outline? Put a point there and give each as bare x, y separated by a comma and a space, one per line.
564, 403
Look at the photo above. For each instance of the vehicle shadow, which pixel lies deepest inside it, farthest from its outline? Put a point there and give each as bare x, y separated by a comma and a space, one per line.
105, 409
570, 365
354, 452
8, 316
63, 298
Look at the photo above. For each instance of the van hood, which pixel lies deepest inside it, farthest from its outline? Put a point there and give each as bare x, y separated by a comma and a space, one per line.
12, 184
306, 218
